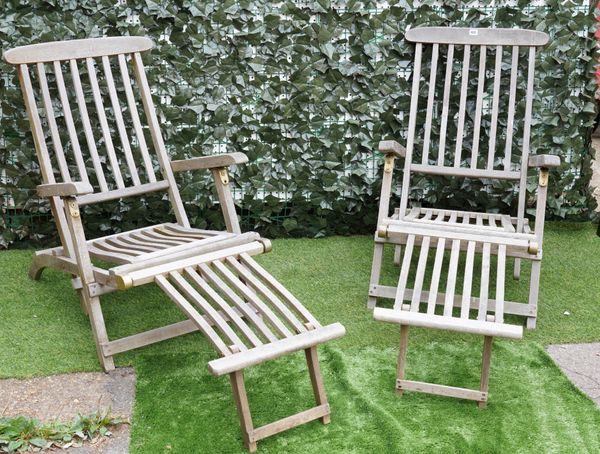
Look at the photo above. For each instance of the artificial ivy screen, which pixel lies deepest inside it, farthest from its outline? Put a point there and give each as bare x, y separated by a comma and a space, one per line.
306, 89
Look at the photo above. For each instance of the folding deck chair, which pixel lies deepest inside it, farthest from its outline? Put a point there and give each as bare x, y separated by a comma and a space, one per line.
243, 311
458, 150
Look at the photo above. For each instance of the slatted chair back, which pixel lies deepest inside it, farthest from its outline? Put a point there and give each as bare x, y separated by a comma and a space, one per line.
484, 70
91, 120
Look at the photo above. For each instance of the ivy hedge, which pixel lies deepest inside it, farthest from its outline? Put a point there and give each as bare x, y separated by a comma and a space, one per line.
306, 89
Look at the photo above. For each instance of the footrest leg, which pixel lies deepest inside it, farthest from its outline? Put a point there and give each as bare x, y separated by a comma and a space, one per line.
316, 380
243, 408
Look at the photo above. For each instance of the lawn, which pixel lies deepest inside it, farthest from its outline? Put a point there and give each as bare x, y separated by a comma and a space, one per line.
181, 408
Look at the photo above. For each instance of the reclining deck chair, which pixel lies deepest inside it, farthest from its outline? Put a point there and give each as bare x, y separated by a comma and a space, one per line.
457, 150
211, 276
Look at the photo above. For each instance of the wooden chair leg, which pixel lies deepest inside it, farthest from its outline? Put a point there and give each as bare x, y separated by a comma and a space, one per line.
402, 356
534, 286
517, 269
485, 367
36, 269
375, 272
397, 254
243, 408
316, 379
99, 330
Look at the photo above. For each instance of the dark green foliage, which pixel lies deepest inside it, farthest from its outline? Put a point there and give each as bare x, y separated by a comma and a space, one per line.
272, 80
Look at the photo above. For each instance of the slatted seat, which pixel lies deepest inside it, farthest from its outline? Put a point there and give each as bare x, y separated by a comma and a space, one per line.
492, 70
73, 88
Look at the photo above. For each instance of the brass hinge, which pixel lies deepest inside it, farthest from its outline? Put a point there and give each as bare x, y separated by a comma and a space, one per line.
533, 248
388, 165
73, 208
543, 177
223, 175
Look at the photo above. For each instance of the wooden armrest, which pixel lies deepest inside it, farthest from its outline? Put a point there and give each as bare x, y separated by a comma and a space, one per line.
71, 189
209, 162
392, 147
544, 160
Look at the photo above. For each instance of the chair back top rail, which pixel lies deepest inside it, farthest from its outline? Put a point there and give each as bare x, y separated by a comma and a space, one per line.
77, 49
477, 36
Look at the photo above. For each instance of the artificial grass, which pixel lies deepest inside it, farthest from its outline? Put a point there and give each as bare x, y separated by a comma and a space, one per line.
180, 407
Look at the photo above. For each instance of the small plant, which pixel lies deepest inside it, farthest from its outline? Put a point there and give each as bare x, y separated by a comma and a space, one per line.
27, 434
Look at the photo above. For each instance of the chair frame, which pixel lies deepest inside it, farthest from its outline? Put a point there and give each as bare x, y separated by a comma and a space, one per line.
163, 254
514, 238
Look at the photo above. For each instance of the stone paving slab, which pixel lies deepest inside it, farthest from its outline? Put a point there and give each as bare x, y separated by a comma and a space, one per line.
581, 363
62, 397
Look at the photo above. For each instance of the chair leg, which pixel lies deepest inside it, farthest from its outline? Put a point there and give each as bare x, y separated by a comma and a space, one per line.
98, 329
37, 268
316, 379
243, 408
402, 356
375, 272
485, 367
517, 269
397, 254
534, 287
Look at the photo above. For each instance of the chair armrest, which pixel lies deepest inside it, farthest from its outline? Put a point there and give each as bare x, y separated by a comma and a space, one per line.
71, 189
544, 160
209, 162
392, 147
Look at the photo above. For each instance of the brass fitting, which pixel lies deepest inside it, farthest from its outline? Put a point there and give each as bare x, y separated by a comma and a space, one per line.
543, 181
382, 231
267, 246
124, 282
388, 165
223, 175
533, 247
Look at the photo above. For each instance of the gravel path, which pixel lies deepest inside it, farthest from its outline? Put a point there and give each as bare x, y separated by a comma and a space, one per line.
64, 396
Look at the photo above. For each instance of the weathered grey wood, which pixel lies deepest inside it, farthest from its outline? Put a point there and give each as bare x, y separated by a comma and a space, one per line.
421, 265
243, 408
514, 69
71, 188
477, 36
485, 281
495, 102
468, 280
485, 368
451, 280
462, 106
226, 200
76, 49
435, 278
445, 105
430, 99
401, 366
478, 107
500, 272
404, 270
135, 118
319, 412
441, 390
392, 147
448, 323
209, 162
544, 160
276, 349
87, 127
316, 379
466, 172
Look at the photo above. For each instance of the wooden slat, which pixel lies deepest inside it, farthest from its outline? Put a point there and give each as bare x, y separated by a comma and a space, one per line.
430, 99
106, 133
76, 49
477, 36
514, 70
193, 314
247, 293
116, 105
435, 277
289, 422
495, 107
266, 293
211, 277
68, 116
485, 281
421, 267
213, 315
222, 304
468, 280
87, 127
123, 192
446, 104
404, 271
54, 134
410, 140
119, 243
135, 118
442, 390
462, 107
149, 235
478, 107
500, 272
466, 172
451, 277
157, 140
274, 350
276, 286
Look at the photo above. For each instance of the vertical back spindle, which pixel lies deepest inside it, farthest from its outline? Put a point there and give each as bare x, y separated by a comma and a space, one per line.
462, 105
430, 99
495, 102
446, 104
514, 69
478, 107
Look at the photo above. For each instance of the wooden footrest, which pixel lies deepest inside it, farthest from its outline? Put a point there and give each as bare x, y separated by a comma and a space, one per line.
288, 423
441, 390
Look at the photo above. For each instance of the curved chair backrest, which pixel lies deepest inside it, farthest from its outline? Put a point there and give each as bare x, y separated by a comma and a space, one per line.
87, 122
469, 126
